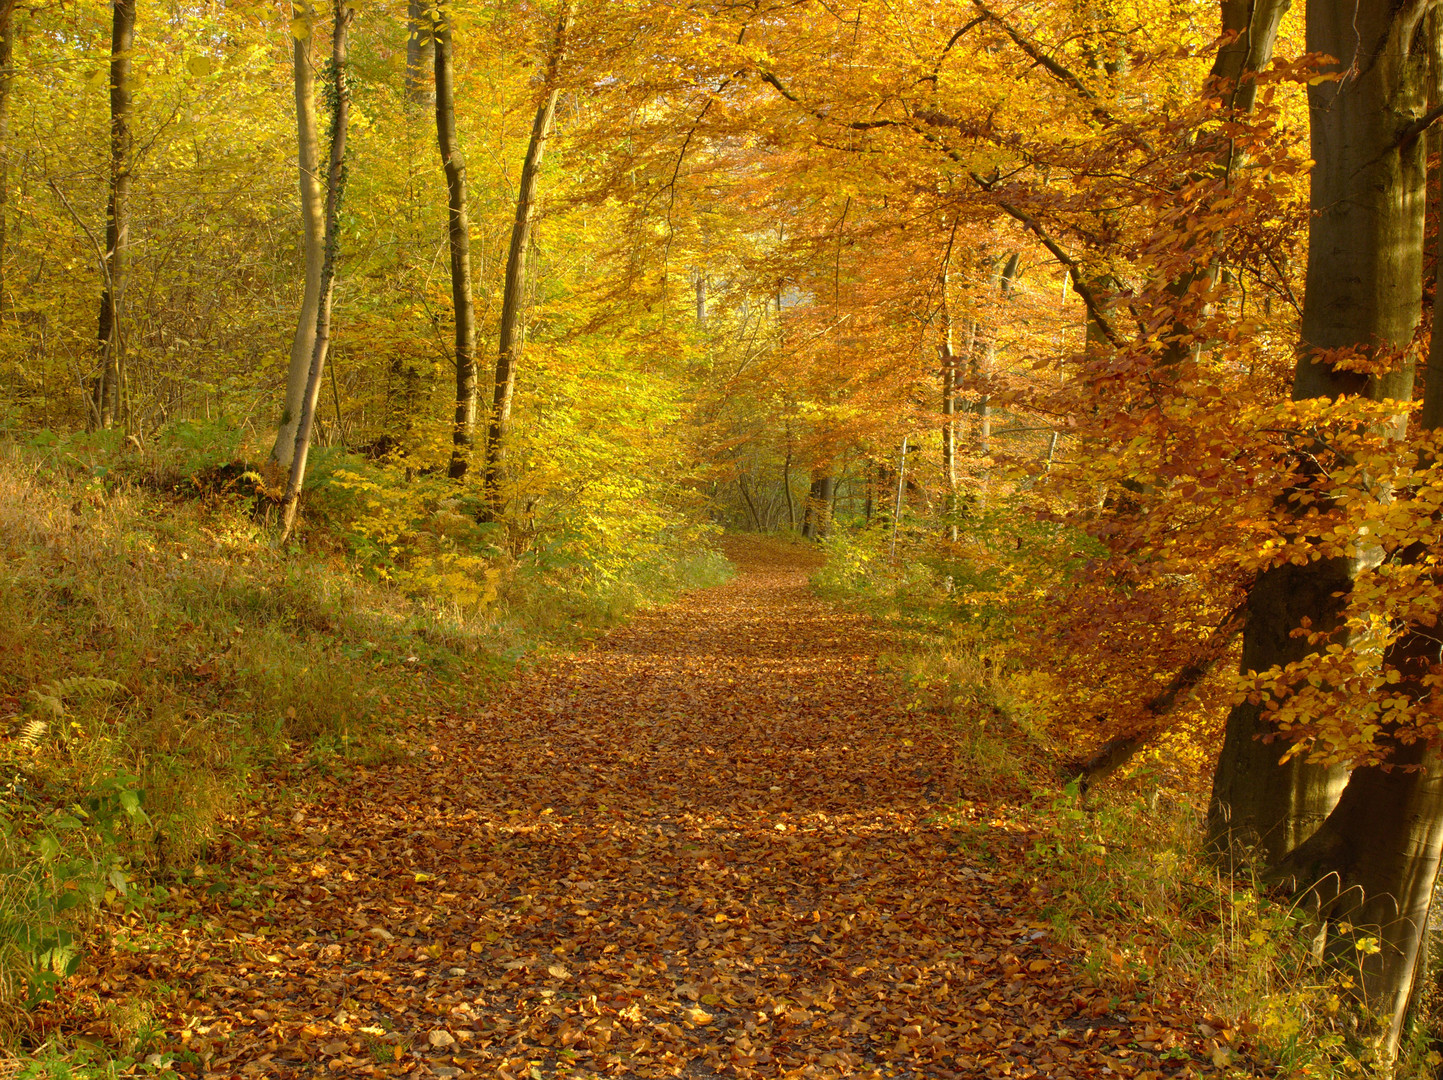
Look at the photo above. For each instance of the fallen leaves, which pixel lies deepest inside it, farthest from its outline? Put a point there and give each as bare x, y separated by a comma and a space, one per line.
702, 844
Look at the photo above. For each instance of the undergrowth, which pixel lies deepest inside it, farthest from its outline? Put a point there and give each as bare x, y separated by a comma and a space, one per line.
1120, 874
158, 655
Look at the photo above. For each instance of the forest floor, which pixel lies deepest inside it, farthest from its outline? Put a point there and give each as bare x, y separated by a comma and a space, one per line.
714, 842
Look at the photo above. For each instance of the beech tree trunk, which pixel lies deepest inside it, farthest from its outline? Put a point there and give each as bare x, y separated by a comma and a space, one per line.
1364, 292
817, 515
418, 32
313, 248
1372, 866
1003, 280
459, 233
340, 100
106, 397
508, 351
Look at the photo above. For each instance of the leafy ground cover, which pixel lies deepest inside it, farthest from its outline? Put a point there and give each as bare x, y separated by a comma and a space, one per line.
716, 841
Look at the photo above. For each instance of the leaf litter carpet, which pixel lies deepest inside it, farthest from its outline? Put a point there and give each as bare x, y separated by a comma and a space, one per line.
714, 843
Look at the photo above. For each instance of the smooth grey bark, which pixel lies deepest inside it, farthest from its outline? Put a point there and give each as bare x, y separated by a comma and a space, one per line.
313, 249
1364, 294
1372, 866
106, 399
340, 102
509, 346
700, 300
459, 239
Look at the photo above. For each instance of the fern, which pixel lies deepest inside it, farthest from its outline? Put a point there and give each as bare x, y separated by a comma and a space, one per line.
52, 698
31, 732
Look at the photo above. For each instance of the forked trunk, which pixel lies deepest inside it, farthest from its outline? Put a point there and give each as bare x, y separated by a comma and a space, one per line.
459, 235
313, 249
509, 347
340, 100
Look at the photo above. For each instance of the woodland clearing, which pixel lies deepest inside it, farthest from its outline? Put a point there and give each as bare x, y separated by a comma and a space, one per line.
713, 842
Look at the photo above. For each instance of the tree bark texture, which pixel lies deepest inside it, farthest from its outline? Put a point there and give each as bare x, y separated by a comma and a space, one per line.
509, 346
459, 234
1372, 866
106, 398
340, 105
1364, 294
313, 249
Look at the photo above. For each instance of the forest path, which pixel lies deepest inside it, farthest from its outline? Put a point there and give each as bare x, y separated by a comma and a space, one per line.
709, 844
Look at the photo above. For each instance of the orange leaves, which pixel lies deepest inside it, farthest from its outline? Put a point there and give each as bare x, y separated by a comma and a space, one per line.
710, 841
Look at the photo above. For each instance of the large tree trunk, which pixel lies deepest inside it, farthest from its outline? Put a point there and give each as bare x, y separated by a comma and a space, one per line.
1372, 865
340, 101
1364, 292
459, 232
509, 346
105, 402
313, 248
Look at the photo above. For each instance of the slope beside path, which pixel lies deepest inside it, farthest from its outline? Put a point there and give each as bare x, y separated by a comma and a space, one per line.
713, 843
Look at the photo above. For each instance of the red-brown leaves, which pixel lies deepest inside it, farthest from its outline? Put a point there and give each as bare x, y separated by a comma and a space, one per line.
711, 844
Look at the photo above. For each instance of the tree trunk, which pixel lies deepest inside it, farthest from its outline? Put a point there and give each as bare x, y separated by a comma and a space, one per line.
7, 76
787, 487
816, 517
1372, 865
751, 506
459, 233
1364, 293
340, 100
509, 347
949, 392
1003, 281
700, 300
418, 32
105, 408
313, 247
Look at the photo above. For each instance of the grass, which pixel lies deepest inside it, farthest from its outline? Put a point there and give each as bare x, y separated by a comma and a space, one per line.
1120, 876
161, 662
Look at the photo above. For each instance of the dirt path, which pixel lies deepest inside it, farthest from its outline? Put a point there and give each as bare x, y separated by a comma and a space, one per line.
708, 845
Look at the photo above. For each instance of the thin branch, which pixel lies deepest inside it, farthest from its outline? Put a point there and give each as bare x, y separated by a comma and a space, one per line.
1032, 49
1074, 269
